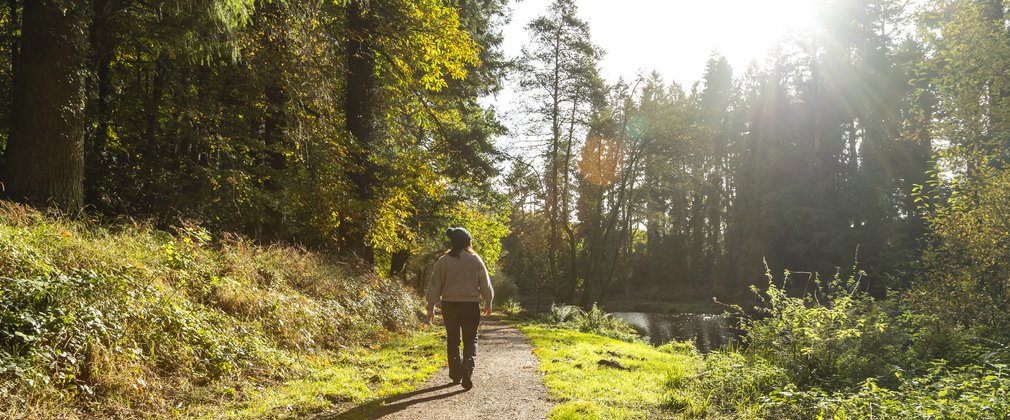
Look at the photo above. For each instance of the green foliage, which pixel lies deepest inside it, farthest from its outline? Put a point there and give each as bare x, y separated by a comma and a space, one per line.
967, 392
595, 321
842, 354
232, 112
967, 263
110, 318
487, 224
561, 314
729, 383
678, 347
832, 339
510, 307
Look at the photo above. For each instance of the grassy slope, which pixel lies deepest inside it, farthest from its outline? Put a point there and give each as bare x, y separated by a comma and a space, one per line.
587, 390
129, 321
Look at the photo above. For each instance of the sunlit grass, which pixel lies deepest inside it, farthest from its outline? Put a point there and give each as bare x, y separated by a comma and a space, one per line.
587, 390
355, 376
129, 321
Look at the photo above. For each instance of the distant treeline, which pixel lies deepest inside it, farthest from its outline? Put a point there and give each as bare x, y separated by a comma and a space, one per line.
844, 144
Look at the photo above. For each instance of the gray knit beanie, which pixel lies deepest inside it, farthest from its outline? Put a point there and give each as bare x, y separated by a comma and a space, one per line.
460, 237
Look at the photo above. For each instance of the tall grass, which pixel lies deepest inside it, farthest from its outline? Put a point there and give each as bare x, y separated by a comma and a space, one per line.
127, 319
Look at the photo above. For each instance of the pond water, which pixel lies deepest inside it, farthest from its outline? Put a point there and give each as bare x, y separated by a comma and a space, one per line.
708, 331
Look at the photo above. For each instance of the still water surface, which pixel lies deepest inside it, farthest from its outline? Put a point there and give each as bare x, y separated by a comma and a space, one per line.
708, 331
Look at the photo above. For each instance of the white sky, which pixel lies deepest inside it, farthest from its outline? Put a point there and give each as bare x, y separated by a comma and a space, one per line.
673, 37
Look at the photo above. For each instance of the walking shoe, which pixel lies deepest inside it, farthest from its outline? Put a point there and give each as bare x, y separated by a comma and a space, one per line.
455, 372
467, 373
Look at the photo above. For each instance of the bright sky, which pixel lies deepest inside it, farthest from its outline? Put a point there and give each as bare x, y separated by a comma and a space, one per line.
674, 37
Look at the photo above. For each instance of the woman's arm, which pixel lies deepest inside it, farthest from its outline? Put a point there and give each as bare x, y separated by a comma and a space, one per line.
434, 293
484, 283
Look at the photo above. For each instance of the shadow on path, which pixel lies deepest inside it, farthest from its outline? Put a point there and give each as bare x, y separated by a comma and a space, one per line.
507, 385
396, 403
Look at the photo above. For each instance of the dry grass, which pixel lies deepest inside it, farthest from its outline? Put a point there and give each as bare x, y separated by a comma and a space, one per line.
127, 321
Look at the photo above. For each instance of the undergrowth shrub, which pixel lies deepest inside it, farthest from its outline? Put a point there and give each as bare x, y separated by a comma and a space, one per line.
561, 314
510, 307
595, 321
91, 315
964, 392
840, 353
832, 338
728, 383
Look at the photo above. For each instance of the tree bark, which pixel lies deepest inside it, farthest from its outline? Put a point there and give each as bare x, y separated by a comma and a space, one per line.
359, 113
45, 153
275, 119
102, 46
398, 262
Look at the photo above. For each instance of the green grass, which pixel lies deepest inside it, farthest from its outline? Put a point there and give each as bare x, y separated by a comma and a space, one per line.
354, 377
586, 390
126, 320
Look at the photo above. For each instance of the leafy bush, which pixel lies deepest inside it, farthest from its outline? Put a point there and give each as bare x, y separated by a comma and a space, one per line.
679, 347
598, 322
967, 392
595, 321
967, 261
510, 307
832, 339
839, 353
730, 382
132, 317
561, 314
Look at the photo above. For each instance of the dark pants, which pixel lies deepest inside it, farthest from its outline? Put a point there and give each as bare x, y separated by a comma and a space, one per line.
461, 318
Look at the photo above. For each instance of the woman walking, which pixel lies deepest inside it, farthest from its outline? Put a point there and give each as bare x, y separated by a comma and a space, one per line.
459, 282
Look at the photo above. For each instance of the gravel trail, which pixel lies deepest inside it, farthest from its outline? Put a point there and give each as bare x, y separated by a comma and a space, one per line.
506, 382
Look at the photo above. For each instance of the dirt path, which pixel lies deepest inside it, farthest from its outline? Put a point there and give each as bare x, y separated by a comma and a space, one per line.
506, 385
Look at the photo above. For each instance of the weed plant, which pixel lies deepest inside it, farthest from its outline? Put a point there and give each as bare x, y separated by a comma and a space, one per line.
840, 353
594, 321
122, 320
510, 308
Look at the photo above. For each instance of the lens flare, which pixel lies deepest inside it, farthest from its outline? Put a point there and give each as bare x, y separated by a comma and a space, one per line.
601, 162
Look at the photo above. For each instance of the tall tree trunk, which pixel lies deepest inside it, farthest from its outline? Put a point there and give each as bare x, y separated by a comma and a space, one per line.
398, 262
566, 195
553, 197
152, 106
275, 119
359, 113
45, 153
102, 49
13, 25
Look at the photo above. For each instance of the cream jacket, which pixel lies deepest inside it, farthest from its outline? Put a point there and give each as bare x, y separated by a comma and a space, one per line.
462, 279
